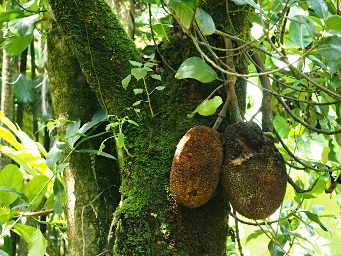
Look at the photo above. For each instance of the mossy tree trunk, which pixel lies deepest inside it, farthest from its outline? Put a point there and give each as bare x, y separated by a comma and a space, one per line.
91, 181
147, 221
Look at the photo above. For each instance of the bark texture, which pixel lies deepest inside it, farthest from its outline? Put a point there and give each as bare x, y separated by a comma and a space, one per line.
7, 98
90, 180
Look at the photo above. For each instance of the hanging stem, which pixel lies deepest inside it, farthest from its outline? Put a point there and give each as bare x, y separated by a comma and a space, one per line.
231, 97
267, 97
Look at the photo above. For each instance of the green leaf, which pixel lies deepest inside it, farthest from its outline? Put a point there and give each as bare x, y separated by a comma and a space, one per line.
184, 12
126, 81
281, 126
74, 132
23, 26
14, 45
137, 91
254, 235
205, 22
35, 240
11, 181
135, 63
330, 48
196, 68
35, 190
5, 216
139, 73
24, 90
160, 30
156, 77
301, 31
132, 122
11, 15
160, 88
12, 190
334, 23
250, 2
208, 107
58, 191
54, 154
3, 253
320, 8
314, 217
275, 250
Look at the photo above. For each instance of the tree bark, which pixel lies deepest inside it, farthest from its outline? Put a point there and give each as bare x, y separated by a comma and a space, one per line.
147, 221
7, 98
90, 180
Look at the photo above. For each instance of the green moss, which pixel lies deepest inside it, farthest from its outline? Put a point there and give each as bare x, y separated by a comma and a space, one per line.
101, 46
91, 180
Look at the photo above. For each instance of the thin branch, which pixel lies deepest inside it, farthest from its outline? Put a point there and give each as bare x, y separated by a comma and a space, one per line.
240, 248
267, 97
296, 158
300, 190
154, 41
292, 213
310, 127
31, 214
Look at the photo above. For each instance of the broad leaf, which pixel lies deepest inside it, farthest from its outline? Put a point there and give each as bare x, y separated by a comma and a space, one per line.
24, 90
208, 107
35, 190
320, 8
184, 12
9, 137
12, 178
3, 253
14, 45
139, 73
205, 22
275, 249
23, 26
334, 23
33, 237
301, 31
10, 15
330, 48
281, 126
196, 68
54, 154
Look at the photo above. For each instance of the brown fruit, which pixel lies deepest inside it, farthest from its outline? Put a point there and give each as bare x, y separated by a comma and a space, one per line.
196, 167
254, 176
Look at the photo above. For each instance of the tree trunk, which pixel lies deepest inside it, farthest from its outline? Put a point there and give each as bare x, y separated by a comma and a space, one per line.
7, 98
90, 180
147, 221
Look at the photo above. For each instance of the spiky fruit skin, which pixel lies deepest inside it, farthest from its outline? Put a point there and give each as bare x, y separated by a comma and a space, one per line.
254, 176
196, 167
